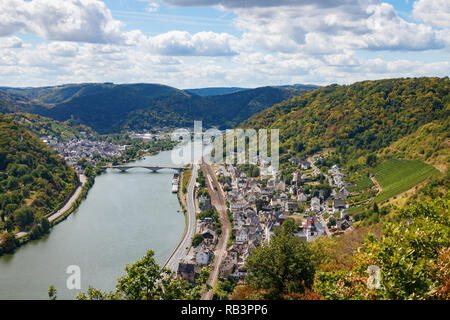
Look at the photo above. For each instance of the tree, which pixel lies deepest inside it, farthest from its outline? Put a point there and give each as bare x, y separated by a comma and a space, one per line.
52, 292
331, 222
141, 279
412, 255
375, 207
145, 280
371, 160
7, 242
23, 217
282, 267
197, 240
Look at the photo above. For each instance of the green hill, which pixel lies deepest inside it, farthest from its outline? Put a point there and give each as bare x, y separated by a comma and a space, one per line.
42, 126
112, 108
58, 94
430, 143
11, 102
215, 91
34, 180
356, 119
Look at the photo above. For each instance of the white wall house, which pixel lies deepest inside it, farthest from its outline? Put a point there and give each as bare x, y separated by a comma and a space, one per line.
202, 257
241, 236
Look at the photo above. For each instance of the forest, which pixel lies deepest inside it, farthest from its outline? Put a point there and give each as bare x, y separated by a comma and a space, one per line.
111, 108
34, 182
358, 119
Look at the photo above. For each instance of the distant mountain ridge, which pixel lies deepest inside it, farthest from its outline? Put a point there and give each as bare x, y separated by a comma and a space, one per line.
58, 94
108, 107
215, 91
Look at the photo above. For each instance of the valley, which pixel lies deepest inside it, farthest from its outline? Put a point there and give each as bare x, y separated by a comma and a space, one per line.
354, 159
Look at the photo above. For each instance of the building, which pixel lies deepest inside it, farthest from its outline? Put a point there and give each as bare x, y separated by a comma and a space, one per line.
188, 271
203, 256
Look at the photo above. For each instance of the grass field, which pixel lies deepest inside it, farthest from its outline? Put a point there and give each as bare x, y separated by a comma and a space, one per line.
362, 184
396, 176
355, 210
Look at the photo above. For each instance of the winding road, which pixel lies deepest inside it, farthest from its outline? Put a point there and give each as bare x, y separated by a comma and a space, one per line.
67, 206
70, 202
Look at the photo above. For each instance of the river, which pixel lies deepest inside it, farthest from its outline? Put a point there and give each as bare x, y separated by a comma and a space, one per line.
123, 216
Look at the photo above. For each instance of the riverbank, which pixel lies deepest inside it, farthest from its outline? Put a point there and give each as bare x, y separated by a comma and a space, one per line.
65, 209
182, 249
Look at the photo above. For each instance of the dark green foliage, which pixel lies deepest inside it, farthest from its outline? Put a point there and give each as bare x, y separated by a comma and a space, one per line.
250, 170
282, 267
197, 240
412, 255
23, 217
224, 288
34, 180
145, 280
356, 119
43, 126
201, 179
371, 160
112, 108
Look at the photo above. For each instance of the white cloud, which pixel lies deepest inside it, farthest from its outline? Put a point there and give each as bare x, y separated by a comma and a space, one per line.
68, 20
282, 42
63, 62
354, 25
258, 3
11, 42
153, 6
433, 12
389, 32
182, 43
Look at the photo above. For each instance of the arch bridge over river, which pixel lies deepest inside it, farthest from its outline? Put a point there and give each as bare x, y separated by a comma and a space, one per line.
153, 168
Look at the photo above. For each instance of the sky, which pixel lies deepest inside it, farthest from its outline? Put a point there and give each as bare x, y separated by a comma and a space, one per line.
208, 43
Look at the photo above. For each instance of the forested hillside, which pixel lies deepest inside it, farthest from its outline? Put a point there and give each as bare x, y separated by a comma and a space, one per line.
10, 102
111, 108
356, 119
430, 143
58, 94
34, 180
43, 126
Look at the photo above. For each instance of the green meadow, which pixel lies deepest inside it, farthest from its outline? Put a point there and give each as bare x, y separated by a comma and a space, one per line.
396, 176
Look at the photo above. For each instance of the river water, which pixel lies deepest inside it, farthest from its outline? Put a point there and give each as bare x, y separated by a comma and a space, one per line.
123, 216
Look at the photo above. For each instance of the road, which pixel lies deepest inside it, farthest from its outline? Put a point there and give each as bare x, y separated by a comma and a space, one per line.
219, 202
322, 221
317, 171
182, 249
70, 202
63, 210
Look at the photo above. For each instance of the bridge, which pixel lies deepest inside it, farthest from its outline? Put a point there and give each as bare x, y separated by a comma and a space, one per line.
152, 168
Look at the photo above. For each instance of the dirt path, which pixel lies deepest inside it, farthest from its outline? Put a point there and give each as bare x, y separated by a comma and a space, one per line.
375, 182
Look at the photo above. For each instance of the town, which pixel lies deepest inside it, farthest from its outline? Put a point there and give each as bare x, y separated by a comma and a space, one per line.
257, 204
76, 151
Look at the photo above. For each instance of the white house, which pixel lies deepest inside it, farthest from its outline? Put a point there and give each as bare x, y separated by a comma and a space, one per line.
202, 257
241, 235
